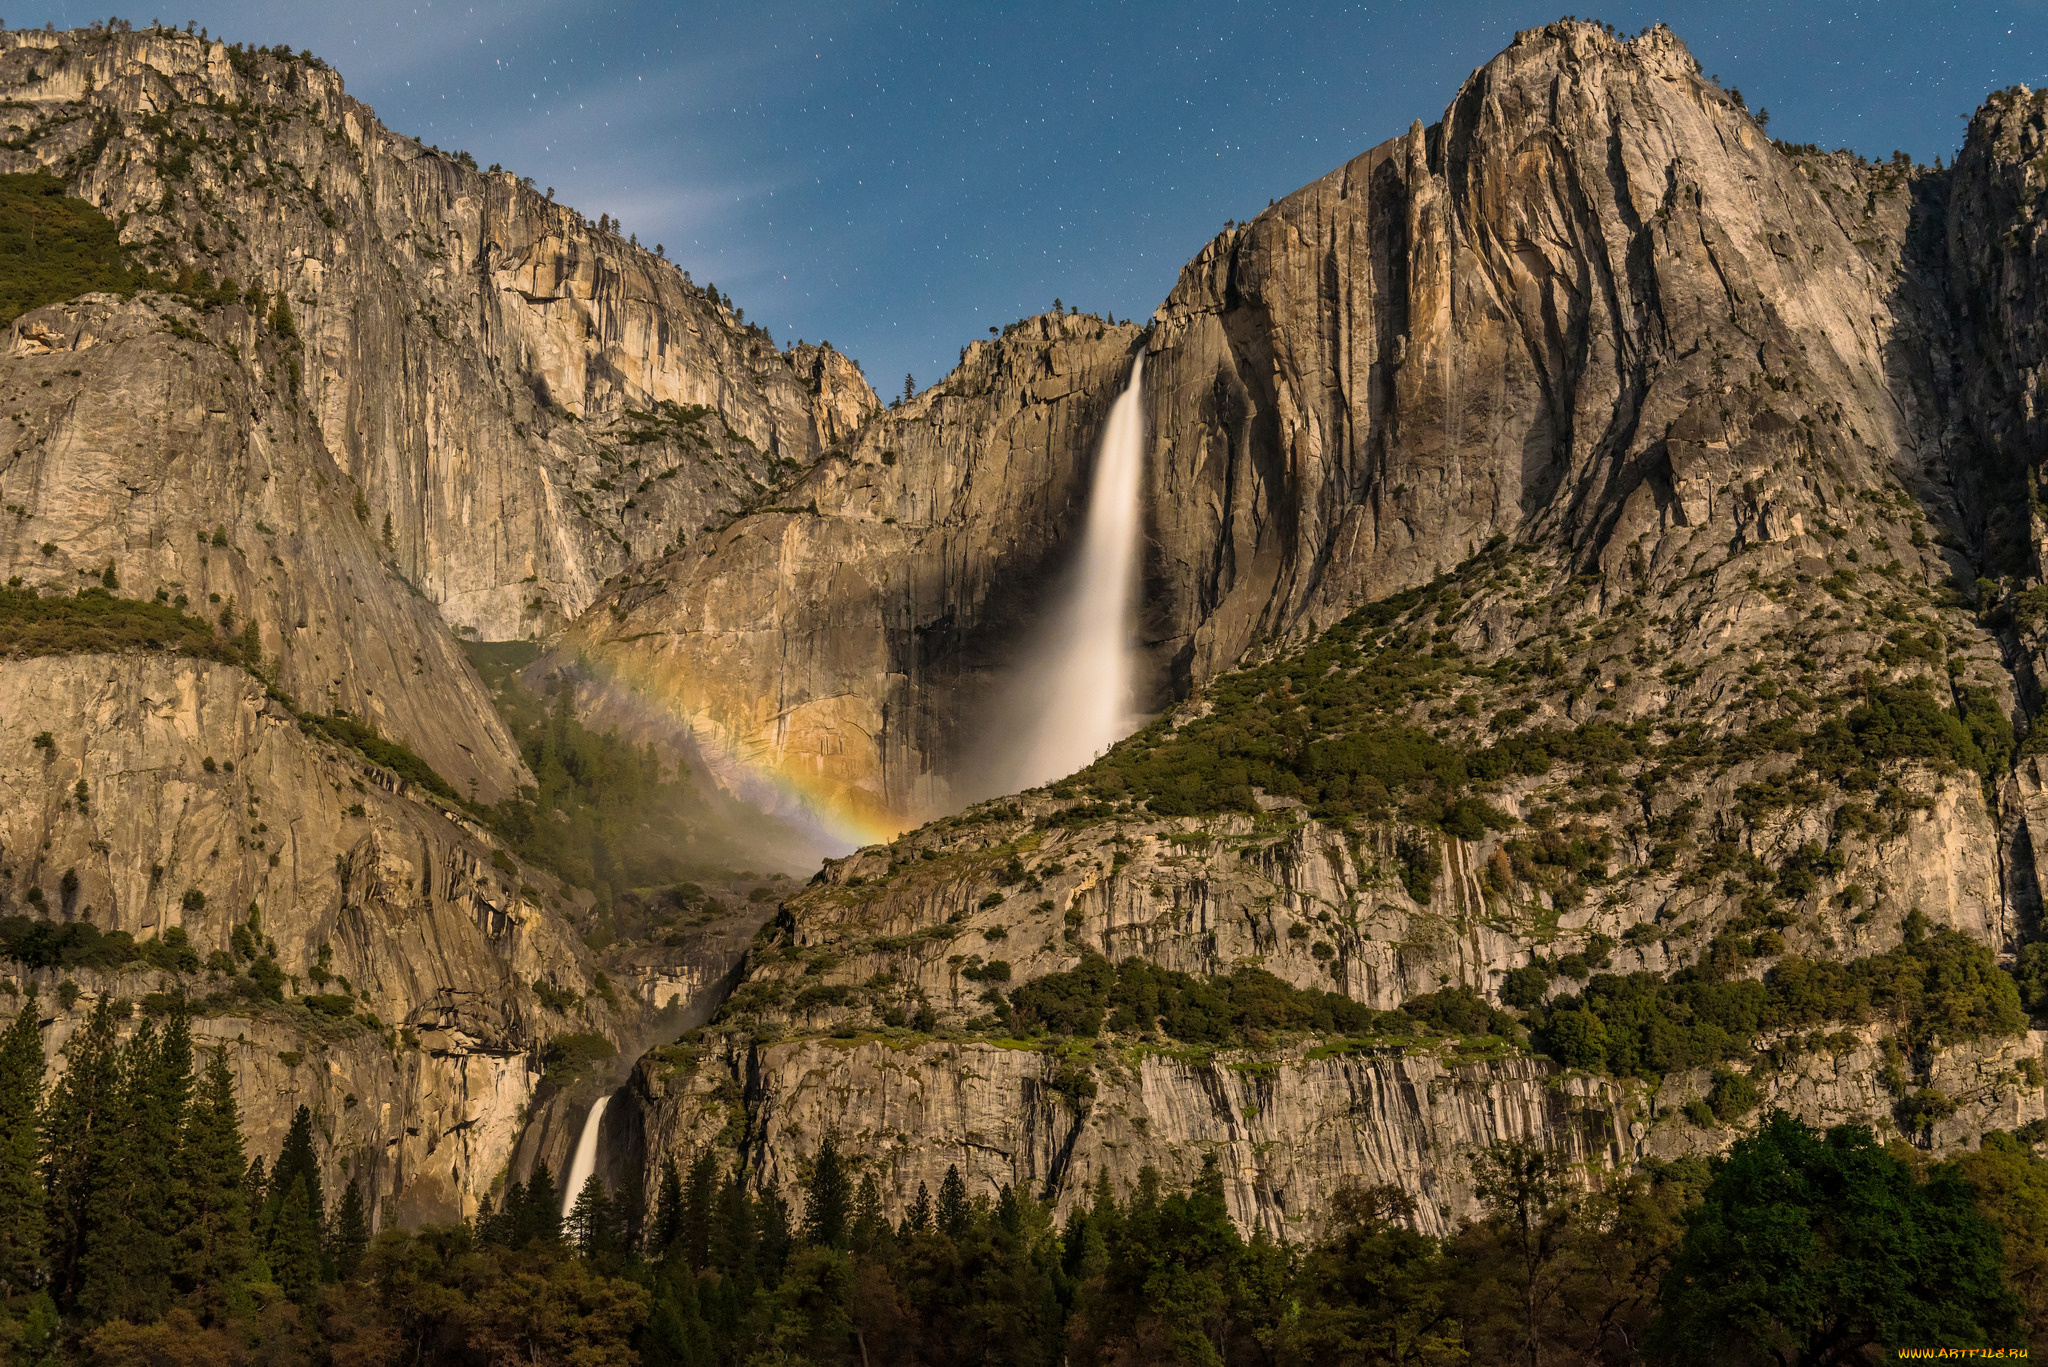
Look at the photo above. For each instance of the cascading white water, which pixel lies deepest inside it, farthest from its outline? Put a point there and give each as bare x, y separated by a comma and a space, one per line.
1077, 687
584, 1161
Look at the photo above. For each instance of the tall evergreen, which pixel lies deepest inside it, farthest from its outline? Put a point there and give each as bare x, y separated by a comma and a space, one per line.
593, 1221
130, 1254
954, 1213
22, 1227
542, 1221
256, 1188
827, 1200
668, 1208
294, 1250
75, 1129
295, 1162
700, 1205
869, 1229
351, 1237
213, 1241
505, 1228
918, 1219
733, 1242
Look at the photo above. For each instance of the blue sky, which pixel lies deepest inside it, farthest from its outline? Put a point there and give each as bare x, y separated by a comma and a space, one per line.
897, 177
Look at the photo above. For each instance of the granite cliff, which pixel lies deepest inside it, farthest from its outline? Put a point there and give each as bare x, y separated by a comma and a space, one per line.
1585, 577
1593, 592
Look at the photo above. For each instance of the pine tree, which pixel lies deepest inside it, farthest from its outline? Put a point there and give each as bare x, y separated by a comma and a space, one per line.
294, 1246
542, 1220
826, 1198
954, 1213
506, 1227
75, 1128
351, 1235
296, 1161
629, 1209
700, 1202
130, 1255
772, 1219
870, 1229
909, 389
918, 1218
733, 1244
593, 1223
256, 1189
213, 1241
22, 1227
668, 1208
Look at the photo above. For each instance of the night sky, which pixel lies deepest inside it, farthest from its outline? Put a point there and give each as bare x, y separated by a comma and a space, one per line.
899, 177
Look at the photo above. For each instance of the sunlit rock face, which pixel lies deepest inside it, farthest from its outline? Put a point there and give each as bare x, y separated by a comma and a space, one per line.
1724, 435
840, 651
1543, 317
432, 402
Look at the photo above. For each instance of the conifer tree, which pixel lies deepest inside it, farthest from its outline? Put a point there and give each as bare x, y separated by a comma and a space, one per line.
826, 1198
76, 1126
22, 1227
629, 1213
733, 1242
954, 1212
256, 1190
296, 1161
213, 1241
542, 1218
484, 1220
129, 1256
593, 1223
668, 1208
294, 1246
918, 1219
772, 1220
505, 1226
700, 1202
351, 1232
869, 1228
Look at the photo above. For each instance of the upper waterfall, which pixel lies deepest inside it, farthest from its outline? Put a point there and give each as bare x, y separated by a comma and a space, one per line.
1076, 694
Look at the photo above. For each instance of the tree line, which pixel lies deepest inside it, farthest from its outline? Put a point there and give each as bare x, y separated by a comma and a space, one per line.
134, 1231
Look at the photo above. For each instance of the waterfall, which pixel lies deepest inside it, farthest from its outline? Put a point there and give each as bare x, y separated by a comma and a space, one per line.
584, 1161
1077, 687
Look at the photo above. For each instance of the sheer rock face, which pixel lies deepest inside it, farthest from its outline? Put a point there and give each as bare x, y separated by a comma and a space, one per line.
1510, 324
848, 636
1705, 397
474, 374
432, 398
1287, 1131
206, 808
1594, 308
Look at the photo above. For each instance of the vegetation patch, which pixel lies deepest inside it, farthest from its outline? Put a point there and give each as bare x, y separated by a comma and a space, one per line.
96, 622
54, 246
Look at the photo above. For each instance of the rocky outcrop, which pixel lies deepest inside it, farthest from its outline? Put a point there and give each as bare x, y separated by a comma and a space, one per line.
176, 795
511, 403
1287, 1130
368, 394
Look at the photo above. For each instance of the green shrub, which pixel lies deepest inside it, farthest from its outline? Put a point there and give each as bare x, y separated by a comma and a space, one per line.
54, 246
391, 754
555, 998
1938, 987
95, 622
568, 1057
1136, 997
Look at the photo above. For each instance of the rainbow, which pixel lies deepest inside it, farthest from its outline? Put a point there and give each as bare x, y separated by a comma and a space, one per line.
820, 771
